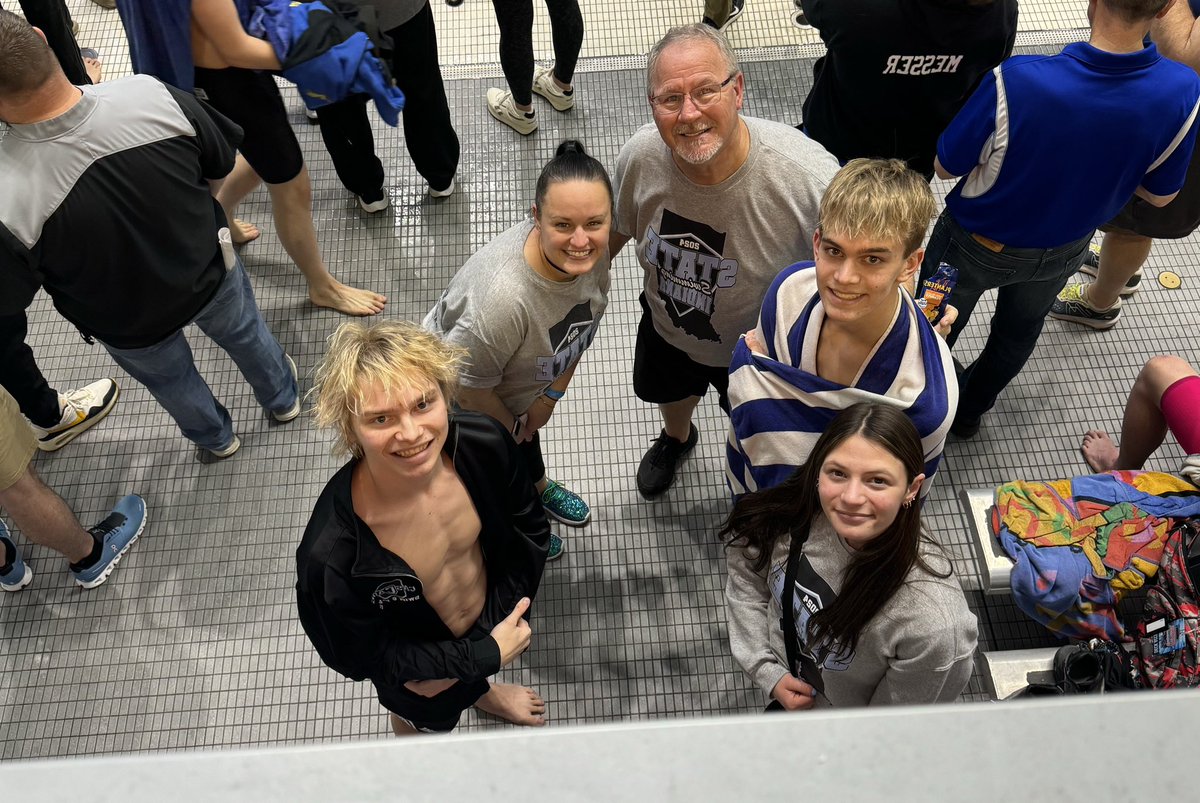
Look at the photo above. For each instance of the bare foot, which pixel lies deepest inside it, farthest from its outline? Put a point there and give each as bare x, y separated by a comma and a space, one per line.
242, 232
94, 69
347, 300
517, 704
1099, 451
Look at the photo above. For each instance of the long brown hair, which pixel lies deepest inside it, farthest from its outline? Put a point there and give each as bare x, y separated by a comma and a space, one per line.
876, 571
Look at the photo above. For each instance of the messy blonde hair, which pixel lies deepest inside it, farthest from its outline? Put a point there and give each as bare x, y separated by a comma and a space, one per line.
881, 199
397, 356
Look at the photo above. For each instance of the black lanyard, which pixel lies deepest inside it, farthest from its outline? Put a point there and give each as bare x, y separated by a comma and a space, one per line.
800, 664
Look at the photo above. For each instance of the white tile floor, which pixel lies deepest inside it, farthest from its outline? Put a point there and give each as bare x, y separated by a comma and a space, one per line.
194, 642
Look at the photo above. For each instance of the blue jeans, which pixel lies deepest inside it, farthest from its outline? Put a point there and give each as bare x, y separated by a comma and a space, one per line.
1028, 279
168, 370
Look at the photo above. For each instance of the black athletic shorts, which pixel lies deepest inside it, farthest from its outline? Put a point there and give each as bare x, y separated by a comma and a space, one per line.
251, 99
438, 714
1176, 220
663, 374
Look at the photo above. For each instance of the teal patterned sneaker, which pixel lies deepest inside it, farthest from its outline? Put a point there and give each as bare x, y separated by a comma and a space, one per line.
565, 505
556, 548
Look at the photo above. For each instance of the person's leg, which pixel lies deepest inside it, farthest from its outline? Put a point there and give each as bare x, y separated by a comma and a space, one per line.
53, 19
46, 520
1145, 422
428, 130
235, 324
269, 145
1022, 303
566, 31
44, 517
677, 417
240, 182
168, 370
515, 20
21, 377
1122, 254
401, 727
716, 12
558, 500
535, 463
346, 131
291, 207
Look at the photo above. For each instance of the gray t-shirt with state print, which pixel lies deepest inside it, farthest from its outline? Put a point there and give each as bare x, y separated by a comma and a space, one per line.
521, 329
710, 252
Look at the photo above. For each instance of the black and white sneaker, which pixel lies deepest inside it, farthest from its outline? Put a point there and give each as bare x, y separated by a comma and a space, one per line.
81, 409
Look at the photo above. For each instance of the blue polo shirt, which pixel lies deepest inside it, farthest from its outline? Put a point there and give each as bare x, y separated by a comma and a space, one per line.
1051, 147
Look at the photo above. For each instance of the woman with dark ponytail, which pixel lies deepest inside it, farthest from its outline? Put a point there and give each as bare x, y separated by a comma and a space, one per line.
528, 304
834, 595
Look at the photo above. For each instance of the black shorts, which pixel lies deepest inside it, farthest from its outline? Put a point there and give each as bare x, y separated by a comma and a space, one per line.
252, 100
663, 374
1176, 220
438, 714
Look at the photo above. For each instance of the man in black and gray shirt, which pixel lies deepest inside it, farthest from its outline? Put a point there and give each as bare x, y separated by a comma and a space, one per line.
127, 167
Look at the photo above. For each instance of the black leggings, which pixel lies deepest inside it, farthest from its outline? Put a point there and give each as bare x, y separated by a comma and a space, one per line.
531, 450
515, 18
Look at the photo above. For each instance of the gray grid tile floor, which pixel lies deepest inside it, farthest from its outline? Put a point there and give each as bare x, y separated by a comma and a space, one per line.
194, 641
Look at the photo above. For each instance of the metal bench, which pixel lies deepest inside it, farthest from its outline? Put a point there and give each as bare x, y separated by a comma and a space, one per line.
994, 566
1007, 672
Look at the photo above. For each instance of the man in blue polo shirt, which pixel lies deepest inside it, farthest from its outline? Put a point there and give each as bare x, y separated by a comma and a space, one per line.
1049, 148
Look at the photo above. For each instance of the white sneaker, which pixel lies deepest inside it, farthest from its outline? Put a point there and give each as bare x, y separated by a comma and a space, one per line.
543, 84
500, 105
446, 193
229, 450
375, 206
81, 409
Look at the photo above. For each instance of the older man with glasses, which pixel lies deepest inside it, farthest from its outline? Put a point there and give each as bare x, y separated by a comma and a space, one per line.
716, 214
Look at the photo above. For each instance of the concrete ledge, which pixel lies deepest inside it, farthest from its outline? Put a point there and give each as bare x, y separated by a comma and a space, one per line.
975, 752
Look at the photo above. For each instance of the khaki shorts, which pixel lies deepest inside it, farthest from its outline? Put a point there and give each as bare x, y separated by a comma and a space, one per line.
17, 444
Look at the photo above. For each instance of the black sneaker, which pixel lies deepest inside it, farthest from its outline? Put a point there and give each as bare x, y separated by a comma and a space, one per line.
735, 11
656, 472
965, 428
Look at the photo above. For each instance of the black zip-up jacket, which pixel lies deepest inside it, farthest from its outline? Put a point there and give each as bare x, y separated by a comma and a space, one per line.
896, 72
364, 608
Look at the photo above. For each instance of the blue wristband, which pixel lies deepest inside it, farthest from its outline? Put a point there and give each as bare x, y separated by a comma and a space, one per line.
554, 394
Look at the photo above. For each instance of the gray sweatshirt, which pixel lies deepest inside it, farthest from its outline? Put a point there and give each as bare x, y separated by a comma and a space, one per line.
918, 648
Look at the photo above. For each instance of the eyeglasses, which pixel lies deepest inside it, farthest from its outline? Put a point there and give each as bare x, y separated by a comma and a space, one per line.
702, 97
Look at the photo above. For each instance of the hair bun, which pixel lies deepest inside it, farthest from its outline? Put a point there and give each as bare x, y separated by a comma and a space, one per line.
570, 146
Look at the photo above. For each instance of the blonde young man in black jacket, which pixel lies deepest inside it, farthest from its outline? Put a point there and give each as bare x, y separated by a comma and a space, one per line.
423, 553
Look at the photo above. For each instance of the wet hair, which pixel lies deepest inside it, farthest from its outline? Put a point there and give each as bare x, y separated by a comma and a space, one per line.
695, 33
878, 198
397, 356
1135, 10
26, 61
570, 163
876, 571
